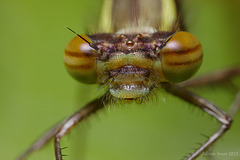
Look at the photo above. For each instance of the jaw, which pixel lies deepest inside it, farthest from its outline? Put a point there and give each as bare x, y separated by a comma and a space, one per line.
129, 91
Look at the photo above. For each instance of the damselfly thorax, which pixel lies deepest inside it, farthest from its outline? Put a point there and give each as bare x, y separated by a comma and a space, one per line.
140, 46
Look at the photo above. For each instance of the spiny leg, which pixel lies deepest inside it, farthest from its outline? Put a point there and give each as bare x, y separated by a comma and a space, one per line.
215, 77
62, 128
74, 120
40, 142
206, 106
224, 75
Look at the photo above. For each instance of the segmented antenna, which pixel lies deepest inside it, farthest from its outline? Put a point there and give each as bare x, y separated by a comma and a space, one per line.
90, 44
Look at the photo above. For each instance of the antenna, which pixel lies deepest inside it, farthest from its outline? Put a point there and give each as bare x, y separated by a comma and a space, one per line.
166, 41
90, 44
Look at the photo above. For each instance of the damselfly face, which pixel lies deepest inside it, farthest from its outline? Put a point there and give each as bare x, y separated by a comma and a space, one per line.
141, 49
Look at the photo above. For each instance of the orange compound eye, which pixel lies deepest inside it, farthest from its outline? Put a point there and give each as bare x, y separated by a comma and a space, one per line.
80, 60
181, 57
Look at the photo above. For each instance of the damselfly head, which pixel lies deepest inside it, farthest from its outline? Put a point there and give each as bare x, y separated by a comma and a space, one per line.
131, 65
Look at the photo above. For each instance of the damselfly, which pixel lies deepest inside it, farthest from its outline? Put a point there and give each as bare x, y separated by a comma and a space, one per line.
139, 48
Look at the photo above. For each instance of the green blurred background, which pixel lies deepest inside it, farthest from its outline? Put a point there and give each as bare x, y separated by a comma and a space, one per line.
36, 91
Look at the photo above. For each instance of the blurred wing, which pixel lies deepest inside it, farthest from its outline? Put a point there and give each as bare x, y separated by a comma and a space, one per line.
134, 16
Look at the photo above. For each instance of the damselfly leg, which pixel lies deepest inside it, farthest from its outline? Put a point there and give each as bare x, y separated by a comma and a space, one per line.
64, 127
211, 78
208, 107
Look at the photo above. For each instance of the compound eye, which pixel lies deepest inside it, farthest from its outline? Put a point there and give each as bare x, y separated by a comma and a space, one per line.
80, 60
181, 57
